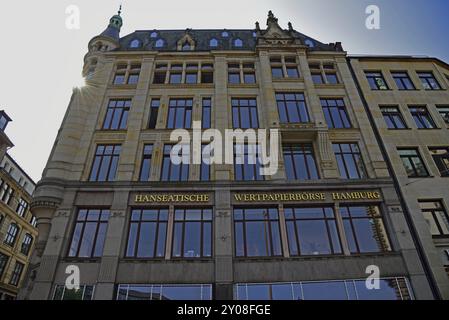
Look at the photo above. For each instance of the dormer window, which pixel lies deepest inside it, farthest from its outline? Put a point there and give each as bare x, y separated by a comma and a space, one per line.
153, 34
213, 43
225, 34
186, 46
238, 43
309, 43
134, 44
159, 43
254, 34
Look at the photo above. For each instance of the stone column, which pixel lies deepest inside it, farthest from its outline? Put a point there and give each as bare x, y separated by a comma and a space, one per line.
224, 271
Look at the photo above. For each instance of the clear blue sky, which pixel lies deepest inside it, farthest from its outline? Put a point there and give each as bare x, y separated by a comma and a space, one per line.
43, 59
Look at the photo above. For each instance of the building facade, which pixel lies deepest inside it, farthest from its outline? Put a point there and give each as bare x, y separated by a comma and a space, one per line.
18, 230
139, 226
408, 99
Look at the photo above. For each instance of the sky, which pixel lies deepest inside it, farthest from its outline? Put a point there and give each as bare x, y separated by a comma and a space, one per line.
41, 60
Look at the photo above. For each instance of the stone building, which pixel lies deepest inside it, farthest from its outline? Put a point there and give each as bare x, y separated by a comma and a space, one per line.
17, 225
138, 226
408, 100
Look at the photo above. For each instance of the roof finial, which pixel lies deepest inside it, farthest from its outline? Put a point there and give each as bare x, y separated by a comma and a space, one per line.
257, 26
120, 10
271, 18
290, 27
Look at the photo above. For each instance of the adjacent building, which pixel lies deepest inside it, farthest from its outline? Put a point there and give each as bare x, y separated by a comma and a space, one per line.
17, 224
139, 226
408, 100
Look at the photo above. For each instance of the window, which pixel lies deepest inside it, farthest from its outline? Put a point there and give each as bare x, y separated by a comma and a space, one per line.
436, 216
176, 74
284, 67
117, 115
247, 163
317, 78
300, 162
249, 73
327, 69
225, 34
105, 163
312, 231
171, 171
428, 81
11, 235
403, 81
1, 220
244, 113
159, 43
207, 113
154, 112
133, 74
213, 43
16, 274
364, 229
277, 71
120, 74
335, 113
376, 81
238, 43
257, 232
291, 66
444, 112
135, 44
3, 262
153, 34
192, 235
422, 118
22, 207
207, 73
6, 192
441, 158
33, 221
292, 108
206, 155
160, 75
84, 293
89, 234
164, 292
26, 244
413, 163
127, 73
390, 289
349, 160
331, 78
186, 46
147, 233
191, 73
180, 114
234, 73
393, 118
145, 170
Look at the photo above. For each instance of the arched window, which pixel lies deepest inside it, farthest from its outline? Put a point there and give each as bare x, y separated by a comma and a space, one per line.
238, 43
186, 46
225, 34
213, 43
159, 43
153, 34
26, 244
135, 43
11, 235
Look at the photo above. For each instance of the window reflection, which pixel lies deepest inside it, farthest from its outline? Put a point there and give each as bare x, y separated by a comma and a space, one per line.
390, 289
